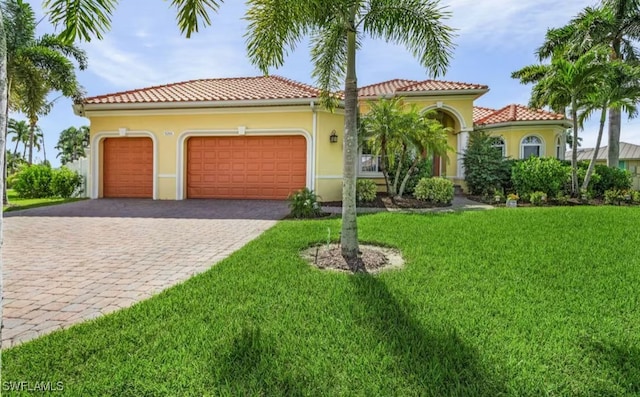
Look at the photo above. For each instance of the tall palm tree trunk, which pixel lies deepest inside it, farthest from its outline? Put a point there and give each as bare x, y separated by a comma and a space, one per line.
32, 136
615, 121
44, 148
349, 236
615, 118
574, 149
592, 164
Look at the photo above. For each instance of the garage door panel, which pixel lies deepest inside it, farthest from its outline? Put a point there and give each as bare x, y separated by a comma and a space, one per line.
245, 167
127, 167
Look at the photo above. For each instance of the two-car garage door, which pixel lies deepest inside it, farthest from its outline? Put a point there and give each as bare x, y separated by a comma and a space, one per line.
245, 167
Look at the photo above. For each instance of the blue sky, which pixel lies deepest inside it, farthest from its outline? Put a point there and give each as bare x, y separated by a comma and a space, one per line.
144, 47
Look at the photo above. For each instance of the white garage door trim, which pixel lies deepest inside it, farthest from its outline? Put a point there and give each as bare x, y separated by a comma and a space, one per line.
95, 181
182, 139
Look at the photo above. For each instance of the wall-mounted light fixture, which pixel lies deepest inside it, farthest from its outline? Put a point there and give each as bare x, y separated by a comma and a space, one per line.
333, 138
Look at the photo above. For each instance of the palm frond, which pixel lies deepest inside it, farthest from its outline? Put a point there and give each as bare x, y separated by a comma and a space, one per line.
81, 19
194, 14
416, 24
329, 56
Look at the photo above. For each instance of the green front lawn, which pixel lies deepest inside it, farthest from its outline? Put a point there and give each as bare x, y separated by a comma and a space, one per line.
16, 203
520, 302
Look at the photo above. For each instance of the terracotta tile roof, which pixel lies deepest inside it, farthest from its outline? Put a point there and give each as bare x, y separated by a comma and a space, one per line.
391, 87
205, 90
439, 85
511, 113
628, 151
480, 112
385, 88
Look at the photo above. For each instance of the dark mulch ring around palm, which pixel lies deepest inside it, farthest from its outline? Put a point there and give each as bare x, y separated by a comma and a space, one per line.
382, 200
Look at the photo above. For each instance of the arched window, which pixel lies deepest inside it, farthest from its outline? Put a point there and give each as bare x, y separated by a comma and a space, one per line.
498, 143
531, 146
559, 149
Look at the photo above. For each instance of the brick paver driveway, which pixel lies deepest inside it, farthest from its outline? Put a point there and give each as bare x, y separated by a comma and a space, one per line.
68, 263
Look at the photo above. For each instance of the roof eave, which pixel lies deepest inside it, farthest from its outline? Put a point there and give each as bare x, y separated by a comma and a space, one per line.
81, 109
565, 123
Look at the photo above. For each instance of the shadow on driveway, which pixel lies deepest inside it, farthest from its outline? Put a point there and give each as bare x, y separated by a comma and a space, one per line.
169, 209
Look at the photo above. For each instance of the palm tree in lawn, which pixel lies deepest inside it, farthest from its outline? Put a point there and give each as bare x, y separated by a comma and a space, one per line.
72, 144
337, 28
615, 24
566, 82
20, 132
618, 90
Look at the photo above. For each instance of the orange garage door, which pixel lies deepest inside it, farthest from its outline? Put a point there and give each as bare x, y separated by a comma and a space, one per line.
246, 167
128, 167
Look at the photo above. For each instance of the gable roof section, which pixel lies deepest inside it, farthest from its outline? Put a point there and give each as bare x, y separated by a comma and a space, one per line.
628, 151
400, 86
211, 90
514, 113
480, 112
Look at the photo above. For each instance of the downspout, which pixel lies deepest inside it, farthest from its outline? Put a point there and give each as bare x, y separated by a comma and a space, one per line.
314, 137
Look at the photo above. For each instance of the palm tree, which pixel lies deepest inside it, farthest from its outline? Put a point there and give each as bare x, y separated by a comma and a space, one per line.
568, 83
20, 131
396, 132
72, 144
616, 24
612, 95
336, 28
37, 66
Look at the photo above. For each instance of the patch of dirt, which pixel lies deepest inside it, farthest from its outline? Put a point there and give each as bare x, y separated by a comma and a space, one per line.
384, 201
374, 258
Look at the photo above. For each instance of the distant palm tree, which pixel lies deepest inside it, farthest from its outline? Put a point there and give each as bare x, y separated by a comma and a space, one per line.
618, 90
615, 24
20, 132
566, 83
72, 144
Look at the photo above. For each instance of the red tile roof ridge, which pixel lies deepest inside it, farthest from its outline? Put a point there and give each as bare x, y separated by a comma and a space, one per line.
513, 114
364, 87
460, 83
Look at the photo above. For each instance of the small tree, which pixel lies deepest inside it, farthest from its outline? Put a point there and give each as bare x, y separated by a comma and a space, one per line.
483, 164
398, 133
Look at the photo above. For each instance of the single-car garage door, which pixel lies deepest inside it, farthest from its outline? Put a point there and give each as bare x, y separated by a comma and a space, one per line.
246, 167
128, 167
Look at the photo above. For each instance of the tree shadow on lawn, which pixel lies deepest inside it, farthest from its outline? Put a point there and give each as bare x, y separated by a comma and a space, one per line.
250, 367
433, 361
620, 364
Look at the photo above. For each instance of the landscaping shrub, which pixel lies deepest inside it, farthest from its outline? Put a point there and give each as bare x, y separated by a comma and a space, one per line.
547, 175
485, 168
304, 204
611, 178
65, 182
614, 196
435, 190
366, 190
33, 181
538, 198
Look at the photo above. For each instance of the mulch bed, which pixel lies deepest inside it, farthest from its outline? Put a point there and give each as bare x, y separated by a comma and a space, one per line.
384, 201
374, 258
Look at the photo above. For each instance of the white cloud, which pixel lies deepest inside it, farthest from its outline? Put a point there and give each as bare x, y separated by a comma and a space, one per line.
500, 23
